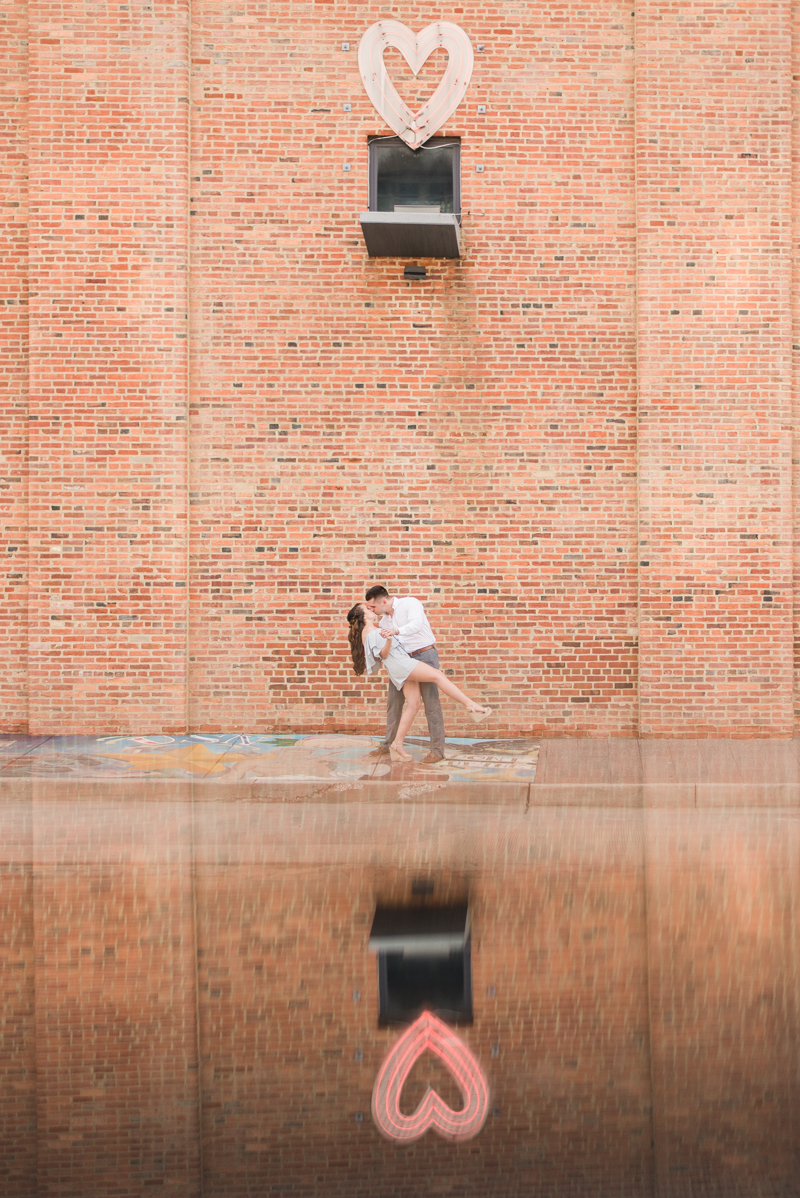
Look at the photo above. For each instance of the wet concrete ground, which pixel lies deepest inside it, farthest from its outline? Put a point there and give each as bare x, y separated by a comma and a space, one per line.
610, 771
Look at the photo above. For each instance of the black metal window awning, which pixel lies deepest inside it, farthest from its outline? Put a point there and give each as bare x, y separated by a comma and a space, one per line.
410, 234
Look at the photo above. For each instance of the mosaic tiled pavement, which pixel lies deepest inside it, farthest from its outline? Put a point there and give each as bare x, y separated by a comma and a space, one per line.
287, 758
606, 772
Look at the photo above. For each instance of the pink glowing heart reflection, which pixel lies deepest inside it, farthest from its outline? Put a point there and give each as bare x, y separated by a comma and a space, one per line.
429, 1034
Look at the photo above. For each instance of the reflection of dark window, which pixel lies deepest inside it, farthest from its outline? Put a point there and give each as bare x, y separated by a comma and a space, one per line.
409, 985
424, 962
428, 179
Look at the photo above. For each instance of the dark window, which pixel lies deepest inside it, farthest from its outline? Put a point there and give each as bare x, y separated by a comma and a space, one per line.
424, 962
427, 179
409, 985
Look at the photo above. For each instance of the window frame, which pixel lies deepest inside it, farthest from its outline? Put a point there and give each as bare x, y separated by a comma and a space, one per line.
429, 144
464, 1019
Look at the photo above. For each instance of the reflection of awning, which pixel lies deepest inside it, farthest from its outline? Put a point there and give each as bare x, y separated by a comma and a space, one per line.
419, 931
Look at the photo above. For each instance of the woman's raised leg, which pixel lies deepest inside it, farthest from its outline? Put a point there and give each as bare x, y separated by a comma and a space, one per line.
425, 673
410, 709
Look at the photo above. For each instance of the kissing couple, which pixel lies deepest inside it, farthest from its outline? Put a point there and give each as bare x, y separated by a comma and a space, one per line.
394, 632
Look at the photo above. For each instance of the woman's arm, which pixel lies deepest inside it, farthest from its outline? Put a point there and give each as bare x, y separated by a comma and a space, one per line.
387, 645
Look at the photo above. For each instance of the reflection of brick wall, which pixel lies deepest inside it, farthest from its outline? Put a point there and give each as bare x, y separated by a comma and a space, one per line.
17, 1040
725, 991
287, 949
598, 934
472, 438
116, 1043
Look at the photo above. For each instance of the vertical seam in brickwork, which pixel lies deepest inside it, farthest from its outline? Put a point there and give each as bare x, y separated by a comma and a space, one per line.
188, 226
187, 580
795, 447
34, 1079
27, 286
27, 684
637, 463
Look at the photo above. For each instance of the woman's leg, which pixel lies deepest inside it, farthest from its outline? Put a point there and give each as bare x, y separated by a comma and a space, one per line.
410, 709
423, 673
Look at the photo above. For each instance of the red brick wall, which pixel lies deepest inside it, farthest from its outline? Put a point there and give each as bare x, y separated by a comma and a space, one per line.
714, 180
469, 439
108, 276
601, 381
795, 298
13, 370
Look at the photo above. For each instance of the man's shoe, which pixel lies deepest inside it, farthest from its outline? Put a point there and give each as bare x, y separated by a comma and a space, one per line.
381, 751
431, 758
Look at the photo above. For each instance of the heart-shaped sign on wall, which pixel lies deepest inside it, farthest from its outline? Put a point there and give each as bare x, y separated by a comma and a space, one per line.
429, 1034
415, 127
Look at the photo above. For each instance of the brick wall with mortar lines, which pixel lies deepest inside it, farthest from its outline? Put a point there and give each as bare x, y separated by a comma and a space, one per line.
714, 224
795, 13
107, 273
349, 426
473, 438
14, 369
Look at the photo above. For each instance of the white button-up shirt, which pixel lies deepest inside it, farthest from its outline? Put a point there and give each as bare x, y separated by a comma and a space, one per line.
414, 631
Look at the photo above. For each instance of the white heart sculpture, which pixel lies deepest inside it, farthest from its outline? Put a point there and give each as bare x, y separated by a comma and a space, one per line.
415, 128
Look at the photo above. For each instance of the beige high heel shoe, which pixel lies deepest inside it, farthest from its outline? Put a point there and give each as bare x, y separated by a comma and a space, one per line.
481, 715
396, 755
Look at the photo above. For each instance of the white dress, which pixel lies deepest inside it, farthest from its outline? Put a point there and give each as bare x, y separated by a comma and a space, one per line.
398, 663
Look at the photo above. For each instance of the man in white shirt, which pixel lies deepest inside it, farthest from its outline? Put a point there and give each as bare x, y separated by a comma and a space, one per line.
407, 617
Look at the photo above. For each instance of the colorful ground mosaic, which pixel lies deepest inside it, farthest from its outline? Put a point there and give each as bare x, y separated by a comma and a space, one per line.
244, 758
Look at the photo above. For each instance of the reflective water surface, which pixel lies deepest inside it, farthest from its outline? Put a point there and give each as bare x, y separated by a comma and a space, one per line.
190, 1003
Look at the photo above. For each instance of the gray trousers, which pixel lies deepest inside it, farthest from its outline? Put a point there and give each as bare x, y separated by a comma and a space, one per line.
395, 701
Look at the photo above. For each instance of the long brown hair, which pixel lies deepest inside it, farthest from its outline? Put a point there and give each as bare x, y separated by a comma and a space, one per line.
355, 618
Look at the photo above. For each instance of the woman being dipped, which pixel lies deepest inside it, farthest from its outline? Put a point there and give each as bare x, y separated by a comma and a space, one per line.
371, 648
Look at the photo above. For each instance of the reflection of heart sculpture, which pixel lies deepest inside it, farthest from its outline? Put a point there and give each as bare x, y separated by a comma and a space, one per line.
415, 128
429, 1034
